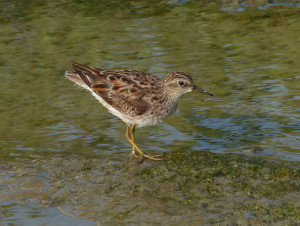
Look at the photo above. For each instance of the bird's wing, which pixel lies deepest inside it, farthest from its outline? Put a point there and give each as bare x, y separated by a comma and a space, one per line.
118, 88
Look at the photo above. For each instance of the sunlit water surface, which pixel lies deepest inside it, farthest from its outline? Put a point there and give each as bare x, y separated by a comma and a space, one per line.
247, 55
249, 60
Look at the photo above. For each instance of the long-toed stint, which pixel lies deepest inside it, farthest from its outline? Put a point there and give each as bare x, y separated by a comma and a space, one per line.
138, 98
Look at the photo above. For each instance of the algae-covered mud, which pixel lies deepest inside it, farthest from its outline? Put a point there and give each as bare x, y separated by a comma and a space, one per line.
230, 159
194, 188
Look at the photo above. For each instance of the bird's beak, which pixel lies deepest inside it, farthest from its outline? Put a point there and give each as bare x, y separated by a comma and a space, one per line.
201, 90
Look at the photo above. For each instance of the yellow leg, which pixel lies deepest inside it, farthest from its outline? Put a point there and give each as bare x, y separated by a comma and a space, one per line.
130, 136
130, 139
132, 129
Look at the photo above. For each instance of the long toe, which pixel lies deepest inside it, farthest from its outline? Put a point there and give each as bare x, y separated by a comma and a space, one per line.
155, 157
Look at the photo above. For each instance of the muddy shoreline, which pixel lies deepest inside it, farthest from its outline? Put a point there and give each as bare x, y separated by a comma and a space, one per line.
187, 187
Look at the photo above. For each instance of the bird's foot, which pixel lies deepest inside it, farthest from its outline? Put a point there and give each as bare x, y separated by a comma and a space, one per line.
142, 156
145, 157
133, 154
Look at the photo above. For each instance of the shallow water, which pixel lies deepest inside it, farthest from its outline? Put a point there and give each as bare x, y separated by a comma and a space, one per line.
246, 54
193, 188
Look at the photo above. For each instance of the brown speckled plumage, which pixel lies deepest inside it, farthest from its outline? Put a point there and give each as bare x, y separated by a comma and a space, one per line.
138, 98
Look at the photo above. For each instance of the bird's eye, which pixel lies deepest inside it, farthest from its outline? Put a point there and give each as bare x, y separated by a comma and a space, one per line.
181, 83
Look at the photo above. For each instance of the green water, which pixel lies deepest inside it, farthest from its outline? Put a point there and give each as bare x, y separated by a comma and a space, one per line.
246, 54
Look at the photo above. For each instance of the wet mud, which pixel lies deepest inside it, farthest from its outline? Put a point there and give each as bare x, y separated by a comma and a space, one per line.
187, 187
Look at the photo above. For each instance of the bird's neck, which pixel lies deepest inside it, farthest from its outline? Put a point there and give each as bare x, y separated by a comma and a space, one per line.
170, 96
